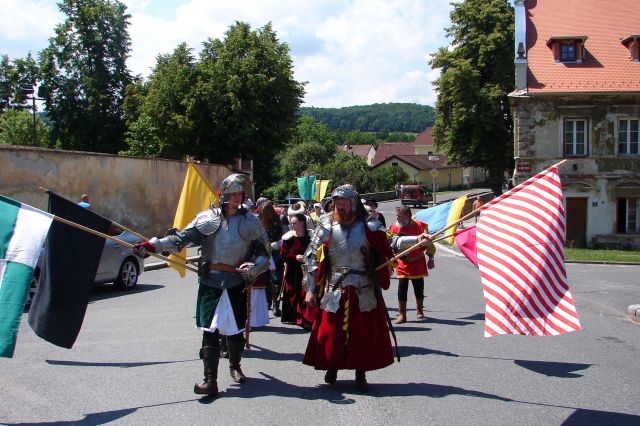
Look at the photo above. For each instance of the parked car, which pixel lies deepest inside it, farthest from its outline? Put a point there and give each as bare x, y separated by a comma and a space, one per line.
118, 264
416, 195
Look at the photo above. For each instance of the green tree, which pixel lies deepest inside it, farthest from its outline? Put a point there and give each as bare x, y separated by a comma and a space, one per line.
360, 138
84, 75
245, 99
385, 178
473, 122
161, 124
13, 74
16, 128
348, 168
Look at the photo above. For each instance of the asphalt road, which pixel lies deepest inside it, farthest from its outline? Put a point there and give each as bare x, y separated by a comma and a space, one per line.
136, 360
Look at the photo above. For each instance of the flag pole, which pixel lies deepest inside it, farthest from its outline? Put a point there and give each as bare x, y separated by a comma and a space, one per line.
134, 233
462, 219
124, 243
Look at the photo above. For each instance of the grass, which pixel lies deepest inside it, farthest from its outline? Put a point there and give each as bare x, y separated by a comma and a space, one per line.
590, 255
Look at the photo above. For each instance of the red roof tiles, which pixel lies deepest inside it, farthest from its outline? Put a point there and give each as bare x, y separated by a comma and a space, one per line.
607, 66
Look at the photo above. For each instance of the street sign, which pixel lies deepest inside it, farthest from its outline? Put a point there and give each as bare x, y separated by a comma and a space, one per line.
434, 172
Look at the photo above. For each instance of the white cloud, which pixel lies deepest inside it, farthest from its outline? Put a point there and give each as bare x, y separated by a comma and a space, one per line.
349, 52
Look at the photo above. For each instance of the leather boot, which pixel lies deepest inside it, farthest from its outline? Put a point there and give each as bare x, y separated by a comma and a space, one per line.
361, 381
419, 307
235, 348
330, 376
276, 302
224, 349
210, 357
402, 313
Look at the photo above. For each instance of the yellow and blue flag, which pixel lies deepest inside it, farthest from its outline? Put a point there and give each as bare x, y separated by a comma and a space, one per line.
442, 216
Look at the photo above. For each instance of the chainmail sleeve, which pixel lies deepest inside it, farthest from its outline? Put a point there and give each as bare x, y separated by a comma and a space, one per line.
310, 266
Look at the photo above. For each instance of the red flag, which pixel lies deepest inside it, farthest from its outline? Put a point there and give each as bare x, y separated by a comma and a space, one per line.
520, 240
465, 239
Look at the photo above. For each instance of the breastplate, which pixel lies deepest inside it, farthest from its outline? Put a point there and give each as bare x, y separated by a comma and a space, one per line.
346, 250
226, 245
346, 245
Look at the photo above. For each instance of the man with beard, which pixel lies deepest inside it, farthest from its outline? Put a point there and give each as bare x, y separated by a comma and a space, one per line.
350, 330
412, 266
234, 251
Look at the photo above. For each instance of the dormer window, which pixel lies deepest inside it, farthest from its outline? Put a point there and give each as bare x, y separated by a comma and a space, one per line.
632, 42
568, 49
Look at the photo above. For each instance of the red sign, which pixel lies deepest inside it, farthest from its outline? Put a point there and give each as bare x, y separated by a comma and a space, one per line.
524, 167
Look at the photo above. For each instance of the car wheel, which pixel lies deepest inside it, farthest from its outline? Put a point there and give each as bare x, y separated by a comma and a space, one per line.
128, 275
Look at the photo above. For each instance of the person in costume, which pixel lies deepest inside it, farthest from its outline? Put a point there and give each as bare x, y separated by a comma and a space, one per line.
234, 250
412, 266
271, 224
291, 248
350, 330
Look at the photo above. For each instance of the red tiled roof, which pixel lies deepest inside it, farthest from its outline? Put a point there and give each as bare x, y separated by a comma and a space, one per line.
386, 150
359, 150
424, 137
607, 66
422, 162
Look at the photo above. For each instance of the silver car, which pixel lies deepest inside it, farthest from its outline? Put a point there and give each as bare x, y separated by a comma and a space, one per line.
118, 264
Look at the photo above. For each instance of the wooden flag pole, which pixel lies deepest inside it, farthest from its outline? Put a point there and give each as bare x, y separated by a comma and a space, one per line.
462, 219
124, 243
137, 235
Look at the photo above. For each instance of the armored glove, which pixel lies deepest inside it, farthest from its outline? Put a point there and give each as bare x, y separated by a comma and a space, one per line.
141, 248
430, 263
247, 271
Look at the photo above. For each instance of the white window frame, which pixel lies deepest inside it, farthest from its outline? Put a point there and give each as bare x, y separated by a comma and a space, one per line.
632, 212
628, 142
574, 145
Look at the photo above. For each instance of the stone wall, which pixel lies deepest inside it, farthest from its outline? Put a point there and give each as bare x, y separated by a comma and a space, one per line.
139, 193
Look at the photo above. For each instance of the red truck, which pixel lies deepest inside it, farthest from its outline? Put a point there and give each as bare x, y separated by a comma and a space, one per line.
415, 195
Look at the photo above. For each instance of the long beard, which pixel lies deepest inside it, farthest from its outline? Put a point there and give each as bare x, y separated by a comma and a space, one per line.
343, 217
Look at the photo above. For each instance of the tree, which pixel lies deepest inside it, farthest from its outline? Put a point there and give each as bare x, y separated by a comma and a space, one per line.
385, 178
348, 168
161, 124
84, 75
16, 128
13, 75
473, 122
245, 99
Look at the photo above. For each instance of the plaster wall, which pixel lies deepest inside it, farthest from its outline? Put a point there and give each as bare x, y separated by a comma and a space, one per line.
139, 193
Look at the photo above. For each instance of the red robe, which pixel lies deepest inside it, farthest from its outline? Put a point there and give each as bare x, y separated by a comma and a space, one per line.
358, 340
294, 307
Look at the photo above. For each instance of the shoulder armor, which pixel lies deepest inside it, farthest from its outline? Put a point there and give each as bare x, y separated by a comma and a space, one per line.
375, 225
207, 221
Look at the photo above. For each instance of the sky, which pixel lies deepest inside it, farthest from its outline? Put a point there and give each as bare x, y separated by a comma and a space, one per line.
350, 52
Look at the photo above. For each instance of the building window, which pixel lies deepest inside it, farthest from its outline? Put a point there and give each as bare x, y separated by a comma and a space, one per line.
628, 137
629, 215
394, 164
575, 137
568, 51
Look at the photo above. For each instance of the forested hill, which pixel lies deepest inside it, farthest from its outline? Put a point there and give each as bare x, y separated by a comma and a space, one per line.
393, 117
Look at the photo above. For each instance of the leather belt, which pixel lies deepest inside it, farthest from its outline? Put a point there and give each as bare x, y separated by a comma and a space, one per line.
344, 270
223, 267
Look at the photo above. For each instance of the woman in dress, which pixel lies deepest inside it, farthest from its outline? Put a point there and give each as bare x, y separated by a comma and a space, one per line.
292, 247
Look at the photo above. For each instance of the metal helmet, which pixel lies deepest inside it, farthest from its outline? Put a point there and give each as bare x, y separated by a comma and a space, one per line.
232, 183
347, 191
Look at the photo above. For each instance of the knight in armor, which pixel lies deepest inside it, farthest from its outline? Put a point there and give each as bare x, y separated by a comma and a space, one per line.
234, 250
351, 328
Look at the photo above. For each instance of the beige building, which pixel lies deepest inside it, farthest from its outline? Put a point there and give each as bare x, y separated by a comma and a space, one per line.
577, 98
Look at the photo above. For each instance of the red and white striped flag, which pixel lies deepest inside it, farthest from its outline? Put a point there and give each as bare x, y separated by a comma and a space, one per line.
520, 241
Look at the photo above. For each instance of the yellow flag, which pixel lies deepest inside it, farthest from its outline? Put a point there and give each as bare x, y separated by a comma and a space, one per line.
454, 216
196, 196
321, 189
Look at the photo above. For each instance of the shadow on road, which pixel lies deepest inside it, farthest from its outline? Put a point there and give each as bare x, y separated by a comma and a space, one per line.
107, 291
113, 364
553, 369
264, 353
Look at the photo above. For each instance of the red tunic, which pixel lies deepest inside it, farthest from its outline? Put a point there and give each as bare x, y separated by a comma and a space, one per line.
294, 308
351, 339
414, 264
